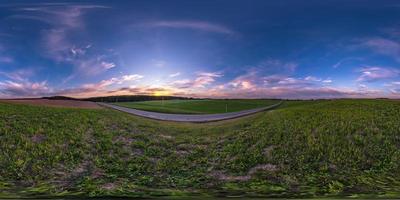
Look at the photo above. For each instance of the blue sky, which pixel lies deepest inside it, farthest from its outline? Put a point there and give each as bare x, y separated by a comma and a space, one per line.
221, 49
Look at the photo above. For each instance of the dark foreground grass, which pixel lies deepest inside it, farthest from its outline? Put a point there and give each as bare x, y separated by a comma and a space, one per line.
341, 148
198, 106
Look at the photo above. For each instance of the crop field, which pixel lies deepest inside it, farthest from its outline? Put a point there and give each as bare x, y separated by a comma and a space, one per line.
325, 148
198, 106
54, 103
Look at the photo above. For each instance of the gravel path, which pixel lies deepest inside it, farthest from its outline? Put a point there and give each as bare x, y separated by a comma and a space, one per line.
186, 117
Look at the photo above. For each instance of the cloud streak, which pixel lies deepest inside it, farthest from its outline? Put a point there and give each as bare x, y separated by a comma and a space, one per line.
383, 46
194, 25
371, 74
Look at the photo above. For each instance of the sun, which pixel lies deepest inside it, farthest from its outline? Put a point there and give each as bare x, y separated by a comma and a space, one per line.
161, 93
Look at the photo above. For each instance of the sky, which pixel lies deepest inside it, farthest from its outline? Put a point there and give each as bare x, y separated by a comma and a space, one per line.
212, 48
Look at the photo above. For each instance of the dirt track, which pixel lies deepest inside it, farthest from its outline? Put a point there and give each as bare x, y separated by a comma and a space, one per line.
55, 103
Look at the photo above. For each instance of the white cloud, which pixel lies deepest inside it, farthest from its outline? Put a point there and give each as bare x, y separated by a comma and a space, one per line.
107, 65
132, 77
327, 81
344, 60
175, 74
312, 78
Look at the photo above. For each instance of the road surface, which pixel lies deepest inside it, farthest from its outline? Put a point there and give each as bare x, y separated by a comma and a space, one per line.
188, 118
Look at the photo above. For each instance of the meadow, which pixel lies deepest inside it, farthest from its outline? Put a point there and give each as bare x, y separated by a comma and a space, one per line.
325, 148
198, 106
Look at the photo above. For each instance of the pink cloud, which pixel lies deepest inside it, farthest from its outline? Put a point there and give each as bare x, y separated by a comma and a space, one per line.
24, 89
202, 80
370, 74
205, 78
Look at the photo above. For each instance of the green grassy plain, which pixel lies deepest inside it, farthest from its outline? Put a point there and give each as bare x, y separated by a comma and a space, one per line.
338, 148
198, 106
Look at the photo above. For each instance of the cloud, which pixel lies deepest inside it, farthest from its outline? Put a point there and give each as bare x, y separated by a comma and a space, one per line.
312, 78
344, 60
3, 57
132, 77
327, 81
371, 74
67, 15
205, 78
252, 85
64, 20
195, 25
105, 83
107, 65
99, 88
394, 87
90, 66
79, 51
23, 89
6, 59
315, 79
290, 92
202, 80
175, 75
383, 46
18, 75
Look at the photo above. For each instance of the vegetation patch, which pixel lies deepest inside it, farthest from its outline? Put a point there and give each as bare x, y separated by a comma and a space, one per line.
198, 106
326, 148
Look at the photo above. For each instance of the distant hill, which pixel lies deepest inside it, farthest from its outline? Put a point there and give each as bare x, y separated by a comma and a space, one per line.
125, 98
59, 98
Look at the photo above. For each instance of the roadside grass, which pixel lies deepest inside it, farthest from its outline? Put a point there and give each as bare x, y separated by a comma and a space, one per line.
198, 106
326, 148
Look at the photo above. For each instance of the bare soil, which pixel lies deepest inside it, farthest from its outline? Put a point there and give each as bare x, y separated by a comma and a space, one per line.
55, 103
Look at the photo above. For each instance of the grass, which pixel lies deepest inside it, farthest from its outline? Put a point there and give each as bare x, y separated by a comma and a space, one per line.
198, 106
338, 148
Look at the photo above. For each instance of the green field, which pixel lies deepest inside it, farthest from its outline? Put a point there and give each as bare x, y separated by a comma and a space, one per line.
198, 106
301, 149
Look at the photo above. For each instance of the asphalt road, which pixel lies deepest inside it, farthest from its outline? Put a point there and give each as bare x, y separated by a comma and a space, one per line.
189, 118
